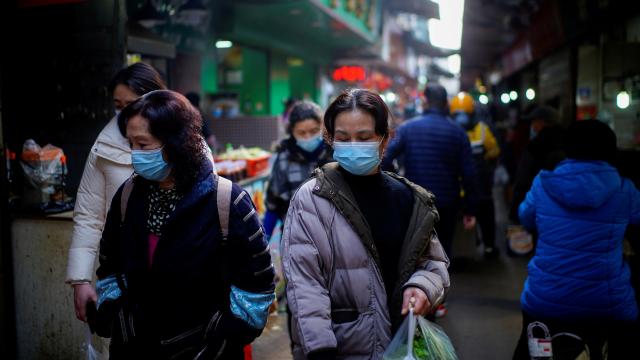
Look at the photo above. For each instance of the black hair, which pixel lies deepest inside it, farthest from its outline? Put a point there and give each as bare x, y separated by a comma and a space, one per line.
304, 110
591, 140
436, 96
175, 122
359, 99
193, 98
141, 78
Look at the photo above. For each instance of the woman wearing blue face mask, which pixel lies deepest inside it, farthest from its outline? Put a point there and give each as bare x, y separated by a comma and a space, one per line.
297, 157
108, 166
183, 285
359, 244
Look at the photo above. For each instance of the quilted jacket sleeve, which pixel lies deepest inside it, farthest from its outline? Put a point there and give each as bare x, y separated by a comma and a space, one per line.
304, 269
89, 217
527, 210
431, 275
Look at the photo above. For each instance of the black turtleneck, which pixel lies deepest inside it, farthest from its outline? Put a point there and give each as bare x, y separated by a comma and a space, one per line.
387, 205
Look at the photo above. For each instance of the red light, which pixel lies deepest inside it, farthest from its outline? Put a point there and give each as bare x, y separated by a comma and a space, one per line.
349, 73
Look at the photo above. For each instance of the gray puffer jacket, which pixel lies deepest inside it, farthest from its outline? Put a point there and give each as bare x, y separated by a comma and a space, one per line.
334, 286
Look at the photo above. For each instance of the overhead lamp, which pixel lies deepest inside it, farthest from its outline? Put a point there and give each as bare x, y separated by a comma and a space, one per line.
623, 100
530, 94
192, 12
223, 44
484, 99
513, 95
390, 96
148, 16
505, 98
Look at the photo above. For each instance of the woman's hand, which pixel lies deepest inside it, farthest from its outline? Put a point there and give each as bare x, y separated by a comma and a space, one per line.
418, 299
82, 294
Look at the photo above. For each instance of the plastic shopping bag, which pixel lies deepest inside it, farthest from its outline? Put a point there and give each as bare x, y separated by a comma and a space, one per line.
430, 342
92, 353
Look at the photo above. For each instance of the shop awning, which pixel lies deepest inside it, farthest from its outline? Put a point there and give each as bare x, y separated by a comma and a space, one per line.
424, 8
425, 48
311, 28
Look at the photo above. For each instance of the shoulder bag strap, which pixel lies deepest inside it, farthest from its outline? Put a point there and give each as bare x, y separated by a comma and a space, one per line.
126, 193
224, 204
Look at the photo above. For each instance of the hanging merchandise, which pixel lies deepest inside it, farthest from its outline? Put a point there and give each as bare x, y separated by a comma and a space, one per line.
45, 171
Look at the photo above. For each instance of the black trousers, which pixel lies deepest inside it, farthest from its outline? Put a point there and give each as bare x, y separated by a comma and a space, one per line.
621, 339
446, 228
487, 221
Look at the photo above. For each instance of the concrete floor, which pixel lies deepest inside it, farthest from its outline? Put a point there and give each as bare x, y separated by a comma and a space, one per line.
484, 319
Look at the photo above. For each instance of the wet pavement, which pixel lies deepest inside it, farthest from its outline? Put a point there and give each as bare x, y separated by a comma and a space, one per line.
483, 319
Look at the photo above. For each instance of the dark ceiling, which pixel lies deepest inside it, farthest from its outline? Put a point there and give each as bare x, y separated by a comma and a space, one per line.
489, 28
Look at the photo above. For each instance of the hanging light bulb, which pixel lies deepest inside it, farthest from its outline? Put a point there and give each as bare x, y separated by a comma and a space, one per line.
623, 100
531, 94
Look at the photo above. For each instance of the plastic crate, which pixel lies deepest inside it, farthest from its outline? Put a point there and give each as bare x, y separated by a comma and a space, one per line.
257, 166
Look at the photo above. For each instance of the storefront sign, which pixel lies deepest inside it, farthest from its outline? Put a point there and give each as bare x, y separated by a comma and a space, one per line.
349, 73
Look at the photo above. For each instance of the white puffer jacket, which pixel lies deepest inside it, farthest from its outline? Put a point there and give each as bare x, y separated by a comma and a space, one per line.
107, 167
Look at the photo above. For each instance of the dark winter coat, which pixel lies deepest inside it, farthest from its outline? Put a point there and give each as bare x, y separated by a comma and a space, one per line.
188, 284
291, 168
437, 155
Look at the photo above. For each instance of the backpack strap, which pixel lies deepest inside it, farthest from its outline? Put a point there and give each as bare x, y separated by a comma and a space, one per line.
223, 196
126, 193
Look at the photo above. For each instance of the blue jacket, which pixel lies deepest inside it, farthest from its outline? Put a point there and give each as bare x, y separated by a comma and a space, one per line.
437, 155
580, 210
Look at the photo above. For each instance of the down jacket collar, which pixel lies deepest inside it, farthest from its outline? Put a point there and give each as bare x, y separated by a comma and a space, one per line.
112, 146
331, 185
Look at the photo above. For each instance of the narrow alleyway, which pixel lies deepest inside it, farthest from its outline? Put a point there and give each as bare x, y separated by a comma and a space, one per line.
484, 319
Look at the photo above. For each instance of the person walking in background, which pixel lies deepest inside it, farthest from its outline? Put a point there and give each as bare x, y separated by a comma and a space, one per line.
107, 167
296, 157
578, 280
485, 150
544, 152
437, 155
359, 243
193, 277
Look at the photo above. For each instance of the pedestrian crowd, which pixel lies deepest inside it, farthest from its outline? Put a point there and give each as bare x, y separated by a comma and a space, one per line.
185, 270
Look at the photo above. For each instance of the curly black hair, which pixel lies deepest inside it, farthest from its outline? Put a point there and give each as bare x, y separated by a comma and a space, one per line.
177, 124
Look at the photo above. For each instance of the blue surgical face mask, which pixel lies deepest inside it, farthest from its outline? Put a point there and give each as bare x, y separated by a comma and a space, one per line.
310, 144
150, 164
358, 158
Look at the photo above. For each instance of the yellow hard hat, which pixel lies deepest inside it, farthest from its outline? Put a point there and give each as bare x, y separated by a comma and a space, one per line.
462, 102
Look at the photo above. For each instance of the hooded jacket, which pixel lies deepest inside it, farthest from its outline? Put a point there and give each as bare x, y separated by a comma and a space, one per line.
335, 288
581, 211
